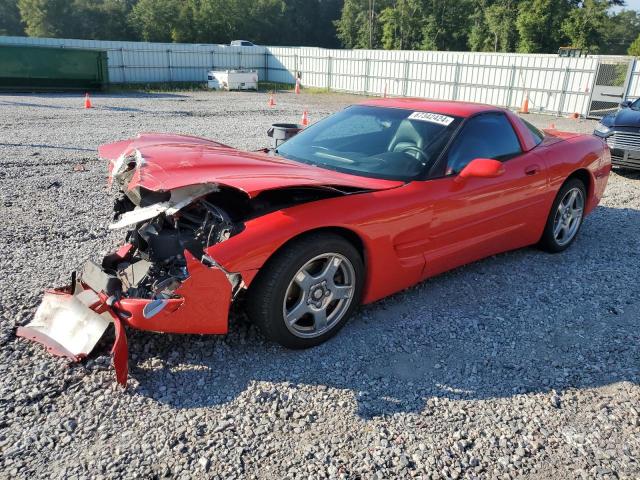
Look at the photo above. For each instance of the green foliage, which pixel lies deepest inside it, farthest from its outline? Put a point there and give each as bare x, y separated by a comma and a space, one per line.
622, 29
529, 26
94, 19
634, 48
585, 25
10, 22
494, 26
539, 25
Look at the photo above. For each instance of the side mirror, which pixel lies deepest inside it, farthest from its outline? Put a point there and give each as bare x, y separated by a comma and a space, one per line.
626, 104
482, 167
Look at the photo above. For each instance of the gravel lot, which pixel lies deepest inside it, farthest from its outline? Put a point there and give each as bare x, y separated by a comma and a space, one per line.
522, 365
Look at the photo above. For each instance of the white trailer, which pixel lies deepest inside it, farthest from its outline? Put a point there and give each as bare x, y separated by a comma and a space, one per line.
233, 79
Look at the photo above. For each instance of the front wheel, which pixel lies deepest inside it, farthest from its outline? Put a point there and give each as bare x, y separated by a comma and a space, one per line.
565, 218
307, 291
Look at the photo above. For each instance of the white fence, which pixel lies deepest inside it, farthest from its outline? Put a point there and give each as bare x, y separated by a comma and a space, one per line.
553, 84
144, 62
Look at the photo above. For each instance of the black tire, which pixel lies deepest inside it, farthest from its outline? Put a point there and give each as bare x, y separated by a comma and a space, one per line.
267, 292
549, 242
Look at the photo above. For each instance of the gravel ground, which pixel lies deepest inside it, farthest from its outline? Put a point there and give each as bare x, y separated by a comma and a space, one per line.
522, 365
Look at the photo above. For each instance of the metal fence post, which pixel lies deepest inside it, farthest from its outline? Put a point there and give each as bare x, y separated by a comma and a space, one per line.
266, 66
239, 60
124, 66
367, 73
563, 93
213, 60
296, 66
629, 79
329, 69
456, 81
405, 85
511, 85
169, 65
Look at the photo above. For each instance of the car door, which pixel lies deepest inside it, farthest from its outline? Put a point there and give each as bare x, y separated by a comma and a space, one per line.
475, 217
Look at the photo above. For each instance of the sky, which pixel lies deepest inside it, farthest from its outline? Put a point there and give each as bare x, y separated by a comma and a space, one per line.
632, 5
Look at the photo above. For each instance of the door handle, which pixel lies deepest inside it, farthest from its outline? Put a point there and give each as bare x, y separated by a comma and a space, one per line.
532, 169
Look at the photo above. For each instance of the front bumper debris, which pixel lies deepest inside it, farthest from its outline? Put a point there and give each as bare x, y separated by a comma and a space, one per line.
71, 320
69, 323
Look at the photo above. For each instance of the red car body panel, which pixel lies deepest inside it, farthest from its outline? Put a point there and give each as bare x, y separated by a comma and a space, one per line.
171, 163
407, 231
202, 306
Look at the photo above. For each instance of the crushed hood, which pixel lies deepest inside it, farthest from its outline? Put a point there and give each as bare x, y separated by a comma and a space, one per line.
166, 162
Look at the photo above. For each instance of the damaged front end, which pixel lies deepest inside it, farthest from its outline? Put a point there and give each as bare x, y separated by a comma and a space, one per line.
179, 196
161, 280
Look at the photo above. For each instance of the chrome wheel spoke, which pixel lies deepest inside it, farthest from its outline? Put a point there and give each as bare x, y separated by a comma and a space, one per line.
320, 319
303, 280
297, 312
557, 228
342, 291
330, 269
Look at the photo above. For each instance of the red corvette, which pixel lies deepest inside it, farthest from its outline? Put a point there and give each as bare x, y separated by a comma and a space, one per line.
354, 208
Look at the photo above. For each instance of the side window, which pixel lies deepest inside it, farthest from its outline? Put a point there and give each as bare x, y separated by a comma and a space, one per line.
537, 134
489, 135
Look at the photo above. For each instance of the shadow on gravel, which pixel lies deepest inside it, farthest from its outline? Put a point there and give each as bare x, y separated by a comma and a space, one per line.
629, 174
520, 322
42, 145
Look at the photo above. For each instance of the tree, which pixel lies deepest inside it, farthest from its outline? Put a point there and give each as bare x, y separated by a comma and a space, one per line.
401, 25
494, 26
358, 25
501, 19
157, 20
446, 26
585, 25
46, 18
634, 48
621, 30
94, 19
539, 25
10, 22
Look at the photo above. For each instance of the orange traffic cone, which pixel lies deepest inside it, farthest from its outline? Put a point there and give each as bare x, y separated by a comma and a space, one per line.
305, 119
574, 115
525, 104
297, 90
552, 126
272, 101
87, 101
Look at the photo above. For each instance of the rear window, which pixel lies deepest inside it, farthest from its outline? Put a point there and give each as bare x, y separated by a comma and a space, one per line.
537, 134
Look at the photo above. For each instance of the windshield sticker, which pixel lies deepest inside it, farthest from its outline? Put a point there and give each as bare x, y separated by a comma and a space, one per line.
431, 117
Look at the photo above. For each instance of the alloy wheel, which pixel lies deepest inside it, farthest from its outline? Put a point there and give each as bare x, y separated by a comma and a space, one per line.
319, 295
568, 216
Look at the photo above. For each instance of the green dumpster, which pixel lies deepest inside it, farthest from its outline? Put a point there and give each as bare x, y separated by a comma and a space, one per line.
28, 68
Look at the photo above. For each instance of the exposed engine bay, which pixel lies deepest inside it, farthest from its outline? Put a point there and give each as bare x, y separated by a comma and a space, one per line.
163, 225
156, 264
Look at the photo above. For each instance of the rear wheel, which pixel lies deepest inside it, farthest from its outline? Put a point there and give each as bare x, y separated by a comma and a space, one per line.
565, 218
307, 291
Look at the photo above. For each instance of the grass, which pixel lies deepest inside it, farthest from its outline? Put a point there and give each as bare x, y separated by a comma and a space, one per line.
160, 87
163, 87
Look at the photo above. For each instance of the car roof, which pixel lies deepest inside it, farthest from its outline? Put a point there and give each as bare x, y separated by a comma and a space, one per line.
459, 109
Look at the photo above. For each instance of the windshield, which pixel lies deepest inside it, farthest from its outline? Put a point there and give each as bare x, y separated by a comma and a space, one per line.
377, 142
635, 105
